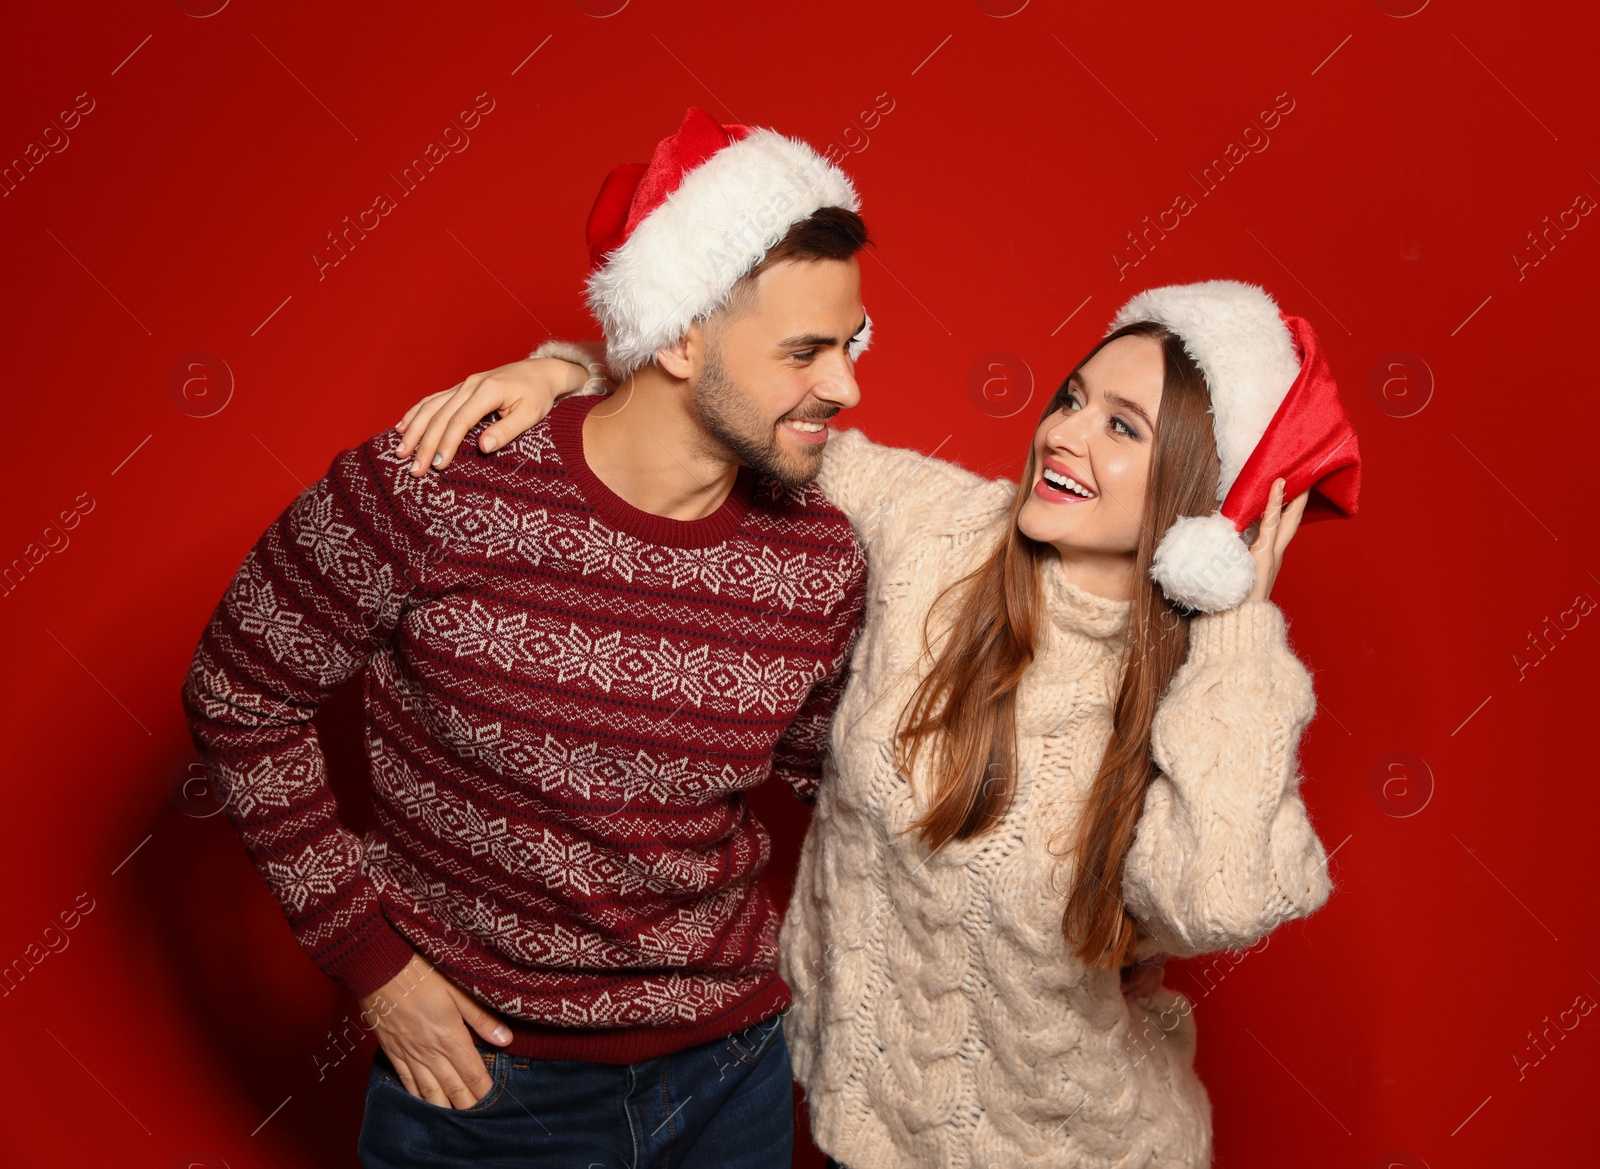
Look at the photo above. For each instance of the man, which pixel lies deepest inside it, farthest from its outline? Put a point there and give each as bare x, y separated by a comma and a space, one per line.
580, 653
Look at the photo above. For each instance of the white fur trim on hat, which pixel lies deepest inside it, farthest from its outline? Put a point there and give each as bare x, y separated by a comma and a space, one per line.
1246, 352
1237, 337
683, 259
862, 339
1202, 563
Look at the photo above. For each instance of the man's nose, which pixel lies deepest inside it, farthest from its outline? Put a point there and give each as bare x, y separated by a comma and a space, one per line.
838, 382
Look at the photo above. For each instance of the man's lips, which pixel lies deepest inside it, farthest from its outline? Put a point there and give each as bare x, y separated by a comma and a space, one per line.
807, 430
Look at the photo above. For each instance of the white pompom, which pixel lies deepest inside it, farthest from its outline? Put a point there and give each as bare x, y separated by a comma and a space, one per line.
1203, 563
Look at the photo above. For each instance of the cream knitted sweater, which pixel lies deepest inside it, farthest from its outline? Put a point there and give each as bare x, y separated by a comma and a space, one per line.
939, 1019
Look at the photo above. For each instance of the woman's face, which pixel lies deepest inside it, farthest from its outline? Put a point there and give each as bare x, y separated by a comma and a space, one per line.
1092, 458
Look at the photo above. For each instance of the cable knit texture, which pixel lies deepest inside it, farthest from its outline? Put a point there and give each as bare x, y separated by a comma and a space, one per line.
939, 1018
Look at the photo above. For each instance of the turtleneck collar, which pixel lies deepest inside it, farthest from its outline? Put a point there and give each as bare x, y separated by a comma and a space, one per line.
1074, 609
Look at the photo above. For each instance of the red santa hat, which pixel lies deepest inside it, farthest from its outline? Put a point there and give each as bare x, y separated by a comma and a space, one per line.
1276, 414
668, 239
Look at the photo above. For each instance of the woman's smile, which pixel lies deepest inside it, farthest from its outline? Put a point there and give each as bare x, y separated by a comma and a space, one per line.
1059, 483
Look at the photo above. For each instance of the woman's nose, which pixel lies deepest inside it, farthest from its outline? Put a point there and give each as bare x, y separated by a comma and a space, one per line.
1069, 433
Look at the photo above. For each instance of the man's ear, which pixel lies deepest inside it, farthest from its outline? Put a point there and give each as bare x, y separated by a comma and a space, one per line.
682, 358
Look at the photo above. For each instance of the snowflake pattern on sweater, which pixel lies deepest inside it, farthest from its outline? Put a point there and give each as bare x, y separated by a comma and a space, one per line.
566, 702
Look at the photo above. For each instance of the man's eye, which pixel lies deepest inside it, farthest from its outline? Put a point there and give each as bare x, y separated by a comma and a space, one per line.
804, 354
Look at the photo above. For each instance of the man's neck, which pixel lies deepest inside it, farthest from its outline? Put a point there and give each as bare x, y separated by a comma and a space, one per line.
646, 445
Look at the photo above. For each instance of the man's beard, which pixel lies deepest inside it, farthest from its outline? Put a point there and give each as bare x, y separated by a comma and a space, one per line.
729, 415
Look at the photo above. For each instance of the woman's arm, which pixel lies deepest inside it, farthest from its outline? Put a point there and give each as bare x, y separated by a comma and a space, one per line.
873, 484
523, 392
879, 487
1224, 851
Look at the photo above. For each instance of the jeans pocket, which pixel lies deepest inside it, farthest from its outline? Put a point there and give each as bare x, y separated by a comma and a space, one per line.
496, 1063
746, 1047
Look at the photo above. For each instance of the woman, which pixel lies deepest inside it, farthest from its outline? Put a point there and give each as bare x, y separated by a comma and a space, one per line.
1069, 744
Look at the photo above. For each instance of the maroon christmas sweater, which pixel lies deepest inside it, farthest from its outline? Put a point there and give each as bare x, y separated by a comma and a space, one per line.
566, 701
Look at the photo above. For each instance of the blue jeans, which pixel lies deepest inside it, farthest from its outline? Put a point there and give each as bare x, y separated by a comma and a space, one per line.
726, 1104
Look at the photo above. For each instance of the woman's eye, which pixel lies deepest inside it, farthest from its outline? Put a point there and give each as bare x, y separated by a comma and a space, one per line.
1126, 429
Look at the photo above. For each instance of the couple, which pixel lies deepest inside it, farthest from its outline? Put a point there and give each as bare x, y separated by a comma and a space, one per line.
1050, 732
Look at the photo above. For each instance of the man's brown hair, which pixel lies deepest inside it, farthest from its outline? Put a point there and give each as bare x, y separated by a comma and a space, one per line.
828, 233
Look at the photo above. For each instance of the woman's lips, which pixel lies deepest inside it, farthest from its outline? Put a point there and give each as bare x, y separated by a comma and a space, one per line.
1053, 495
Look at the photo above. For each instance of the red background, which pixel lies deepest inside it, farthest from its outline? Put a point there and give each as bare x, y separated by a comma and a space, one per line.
180, 1018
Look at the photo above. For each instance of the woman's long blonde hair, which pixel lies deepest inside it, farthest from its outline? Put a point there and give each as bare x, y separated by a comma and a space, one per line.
963, 713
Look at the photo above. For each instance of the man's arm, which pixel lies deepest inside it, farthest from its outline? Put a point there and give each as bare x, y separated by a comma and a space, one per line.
321, 589
320, 592
797, 757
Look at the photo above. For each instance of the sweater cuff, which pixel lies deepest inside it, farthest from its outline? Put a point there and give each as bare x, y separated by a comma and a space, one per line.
1253, 625
373, 962
590, 355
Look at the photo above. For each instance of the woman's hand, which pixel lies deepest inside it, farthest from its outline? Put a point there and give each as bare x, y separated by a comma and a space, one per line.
1140, 979
523, 392
1278, 525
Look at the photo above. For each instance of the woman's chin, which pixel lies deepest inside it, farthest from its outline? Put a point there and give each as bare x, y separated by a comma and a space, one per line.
1047, 524
1074, 534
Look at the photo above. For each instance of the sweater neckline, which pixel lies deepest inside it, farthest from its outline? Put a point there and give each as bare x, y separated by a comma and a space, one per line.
1075, 609
566, 430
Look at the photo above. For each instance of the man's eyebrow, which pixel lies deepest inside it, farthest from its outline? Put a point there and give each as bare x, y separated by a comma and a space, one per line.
817, 340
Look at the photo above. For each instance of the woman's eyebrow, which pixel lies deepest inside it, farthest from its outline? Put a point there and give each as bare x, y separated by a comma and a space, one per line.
1117, 400
1131, 406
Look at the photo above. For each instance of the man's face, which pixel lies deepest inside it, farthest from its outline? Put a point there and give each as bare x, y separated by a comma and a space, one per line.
776, 366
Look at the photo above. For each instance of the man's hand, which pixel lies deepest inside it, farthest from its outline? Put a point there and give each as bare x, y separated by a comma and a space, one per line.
523, 392
422, 1020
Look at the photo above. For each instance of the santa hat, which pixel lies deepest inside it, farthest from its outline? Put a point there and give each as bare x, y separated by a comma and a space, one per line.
1276, 414
668, 239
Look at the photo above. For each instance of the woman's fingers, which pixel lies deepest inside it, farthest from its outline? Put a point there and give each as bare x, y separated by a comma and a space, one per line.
1265, 548
429, 436
1141, 979
417, 417
1266, 538
519, 411
422, 414
405, 419
489, 395
1291, 520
